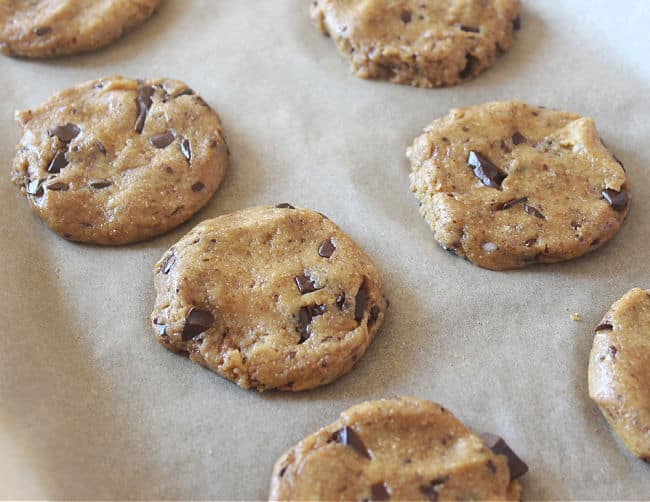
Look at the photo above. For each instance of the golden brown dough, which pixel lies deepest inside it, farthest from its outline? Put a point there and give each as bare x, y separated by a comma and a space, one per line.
619, 370
507, 184
424, 44
46, 28
398, 449
116, 160
269, 298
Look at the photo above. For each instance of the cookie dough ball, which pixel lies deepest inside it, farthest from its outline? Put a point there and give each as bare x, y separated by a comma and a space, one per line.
619, 370
508, 184
115, 161
269, 298
399, 449
46, 28
425, 44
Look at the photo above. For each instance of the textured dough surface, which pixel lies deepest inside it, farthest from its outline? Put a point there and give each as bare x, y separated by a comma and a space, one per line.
256, 327
425, 44
402, 449
550, 205
619, 370
98, 166
46, 28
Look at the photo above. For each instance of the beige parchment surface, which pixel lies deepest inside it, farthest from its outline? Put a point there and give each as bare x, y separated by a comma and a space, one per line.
91, 407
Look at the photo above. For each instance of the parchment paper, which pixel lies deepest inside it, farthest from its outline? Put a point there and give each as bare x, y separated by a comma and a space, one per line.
92, 407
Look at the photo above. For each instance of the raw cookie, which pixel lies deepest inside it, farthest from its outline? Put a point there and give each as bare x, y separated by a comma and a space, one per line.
400, 449
114, 161
619, 370
424, 44
507, 184
269, 297
46, 28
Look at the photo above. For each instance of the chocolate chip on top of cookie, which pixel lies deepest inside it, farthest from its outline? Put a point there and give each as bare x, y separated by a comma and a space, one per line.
269, 298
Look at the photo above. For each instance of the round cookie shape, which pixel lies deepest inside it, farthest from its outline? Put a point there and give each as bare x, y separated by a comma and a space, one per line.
269, 298
507, 184
619, 370
115, 161
47, 28
424, 44
399, 449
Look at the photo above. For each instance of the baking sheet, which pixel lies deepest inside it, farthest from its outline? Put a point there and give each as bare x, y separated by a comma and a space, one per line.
91, 407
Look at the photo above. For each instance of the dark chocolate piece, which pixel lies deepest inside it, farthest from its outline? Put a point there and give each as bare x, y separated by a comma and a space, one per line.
163, 140
347, 436
618, 200
326, 249
196, 322
517, 466
489, 174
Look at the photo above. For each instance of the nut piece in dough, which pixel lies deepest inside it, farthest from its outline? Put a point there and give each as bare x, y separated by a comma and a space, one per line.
619, 370
47, 28
507, 184
269, 298
425, 44
115, 160
397, 449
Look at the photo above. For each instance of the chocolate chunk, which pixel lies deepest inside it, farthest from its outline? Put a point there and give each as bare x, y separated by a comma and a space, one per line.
533, 211
360, 302
347, 436
196, 322
163, 140
374, 314
186, 149
618, 200
518, 138
35, 188
66, 133
612, 350
304, 320
305, 284
517, 467
100, 147
340, 300
143, 102
510, 203
284, 205
168, 263
42, 30
99, 184
489, 174
530, 242
379, 491
469, 68
471, 29
326, 249
198, 186
185, 92
405, 16
516, 24
604, 327
431, 490
58, 186
58, 162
